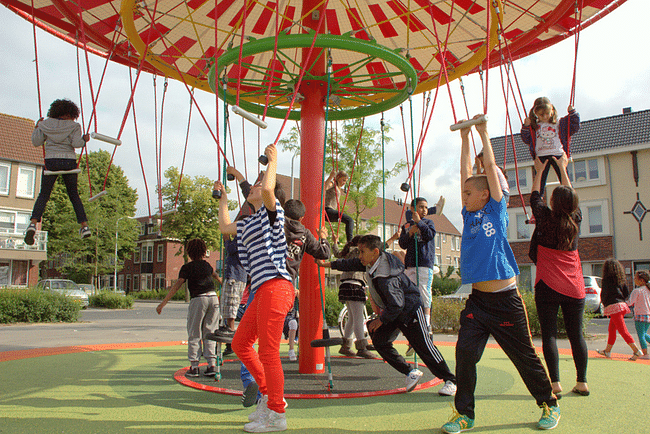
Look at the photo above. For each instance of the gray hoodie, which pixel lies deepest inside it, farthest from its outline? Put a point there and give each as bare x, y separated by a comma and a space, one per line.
60, 137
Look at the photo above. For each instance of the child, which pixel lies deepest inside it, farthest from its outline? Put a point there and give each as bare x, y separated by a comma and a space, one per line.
333, 189
545, 138
300, 241
495, 306
397, 303
61, 135
203, 311
418, 239
613, 294
433, 210
503, 179
352, 293
559, 282
640, 299
262, 249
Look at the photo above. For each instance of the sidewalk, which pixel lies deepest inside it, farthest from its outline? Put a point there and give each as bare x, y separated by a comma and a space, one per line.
143, 324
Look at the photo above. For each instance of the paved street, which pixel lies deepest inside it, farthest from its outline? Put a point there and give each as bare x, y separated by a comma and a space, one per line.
143, 324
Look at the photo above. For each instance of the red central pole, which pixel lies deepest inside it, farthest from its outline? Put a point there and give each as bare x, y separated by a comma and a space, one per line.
312, 127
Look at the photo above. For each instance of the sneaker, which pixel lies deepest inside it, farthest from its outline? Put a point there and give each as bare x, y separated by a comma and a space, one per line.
410, 351
458, 423
412, 379
193, 372
292, 356
228, 351
211, 371
550, 417
224, 332
261, 409
84, 232
249, 396
449, 389
271, 423
29, 234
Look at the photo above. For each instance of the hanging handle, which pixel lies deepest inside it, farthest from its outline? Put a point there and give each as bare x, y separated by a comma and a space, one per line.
460, 125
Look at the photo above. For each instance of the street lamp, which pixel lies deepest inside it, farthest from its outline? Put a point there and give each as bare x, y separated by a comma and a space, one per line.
117, 223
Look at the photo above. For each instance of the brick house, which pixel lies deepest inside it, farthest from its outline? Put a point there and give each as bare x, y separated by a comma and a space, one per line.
21, 168
608, 171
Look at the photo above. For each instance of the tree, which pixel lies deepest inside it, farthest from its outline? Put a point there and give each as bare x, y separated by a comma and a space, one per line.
79, 259
197, 211
366, 180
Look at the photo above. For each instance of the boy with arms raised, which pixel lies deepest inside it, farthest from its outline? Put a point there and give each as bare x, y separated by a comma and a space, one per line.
495, 306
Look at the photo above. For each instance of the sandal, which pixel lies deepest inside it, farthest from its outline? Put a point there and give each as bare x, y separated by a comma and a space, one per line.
635, 356
580, 392
607, 354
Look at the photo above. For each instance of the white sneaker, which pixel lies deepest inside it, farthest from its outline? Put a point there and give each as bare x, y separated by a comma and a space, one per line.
449, 389
260, 410
271, 423
292, 356
412, 379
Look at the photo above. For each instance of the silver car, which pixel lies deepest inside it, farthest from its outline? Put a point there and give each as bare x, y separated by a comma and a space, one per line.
65, 287
592, 294
461, 294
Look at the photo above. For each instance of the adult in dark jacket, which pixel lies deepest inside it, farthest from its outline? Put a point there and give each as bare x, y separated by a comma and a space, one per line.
396, 301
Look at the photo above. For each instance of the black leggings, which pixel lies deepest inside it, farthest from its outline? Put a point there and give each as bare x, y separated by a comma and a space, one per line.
548, 303
333, 216
548, 162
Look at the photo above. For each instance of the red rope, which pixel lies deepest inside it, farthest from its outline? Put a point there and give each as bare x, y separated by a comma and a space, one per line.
241, 46
187, 137
137, 138
38, 80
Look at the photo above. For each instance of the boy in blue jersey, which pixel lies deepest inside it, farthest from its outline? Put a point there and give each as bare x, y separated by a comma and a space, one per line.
495, 306
262, 249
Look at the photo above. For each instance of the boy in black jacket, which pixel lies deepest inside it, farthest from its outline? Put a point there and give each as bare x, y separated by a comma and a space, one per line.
396, 301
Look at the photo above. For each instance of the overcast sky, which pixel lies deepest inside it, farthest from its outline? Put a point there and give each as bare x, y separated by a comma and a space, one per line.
613, 73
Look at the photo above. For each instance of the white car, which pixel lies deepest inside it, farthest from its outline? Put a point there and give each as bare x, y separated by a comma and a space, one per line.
65, 287
592, 294
461, 294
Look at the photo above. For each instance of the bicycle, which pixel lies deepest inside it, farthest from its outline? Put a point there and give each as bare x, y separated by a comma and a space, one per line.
343, 319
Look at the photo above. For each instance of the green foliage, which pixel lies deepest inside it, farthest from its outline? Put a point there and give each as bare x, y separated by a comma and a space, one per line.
36, 306
444, 285
158, 295
332, 306
198, 211
82, 259
111, 300
445, 314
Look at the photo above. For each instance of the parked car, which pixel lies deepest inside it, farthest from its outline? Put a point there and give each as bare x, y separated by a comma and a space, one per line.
592, 294
461, 294
65, 287
88, 288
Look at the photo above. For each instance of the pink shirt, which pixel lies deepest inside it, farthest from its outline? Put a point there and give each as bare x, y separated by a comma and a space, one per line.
640, 299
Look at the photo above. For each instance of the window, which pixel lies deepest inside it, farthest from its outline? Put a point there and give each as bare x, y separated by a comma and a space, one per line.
595, 219
5, 172
136, 258
160, 281
456, 261
438, 259
512, 181
142, 227
146, 281
448, 260
437, 241
13, 222
136, 282
120, 281
444, 238
597, 269
523, 229
26, 179
585, 170
161, 253
128, 283
147, 253
4, 272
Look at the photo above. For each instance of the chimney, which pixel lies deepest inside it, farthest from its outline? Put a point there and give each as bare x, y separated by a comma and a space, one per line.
627, 110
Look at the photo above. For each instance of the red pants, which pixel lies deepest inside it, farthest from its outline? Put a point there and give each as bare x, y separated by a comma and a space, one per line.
617, 323
264, 320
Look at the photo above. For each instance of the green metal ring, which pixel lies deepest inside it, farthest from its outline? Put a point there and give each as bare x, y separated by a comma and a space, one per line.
304, 40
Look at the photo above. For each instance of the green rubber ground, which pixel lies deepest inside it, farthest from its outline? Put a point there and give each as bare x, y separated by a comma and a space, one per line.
132, 391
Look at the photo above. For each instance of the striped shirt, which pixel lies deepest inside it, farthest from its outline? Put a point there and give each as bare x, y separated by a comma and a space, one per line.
262, 247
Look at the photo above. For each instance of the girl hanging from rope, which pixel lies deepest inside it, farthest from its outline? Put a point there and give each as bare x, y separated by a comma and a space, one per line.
61, 135
545, 138
333, 189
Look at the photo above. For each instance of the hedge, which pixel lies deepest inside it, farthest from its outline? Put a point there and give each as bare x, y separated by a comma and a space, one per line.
111, 300
31, 305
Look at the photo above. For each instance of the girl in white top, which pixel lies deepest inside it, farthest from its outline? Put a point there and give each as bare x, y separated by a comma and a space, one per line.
640, 299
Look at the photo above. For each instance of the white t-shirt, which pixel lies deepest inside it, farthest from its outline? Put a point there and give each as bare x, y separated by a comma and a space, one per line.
547, 140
